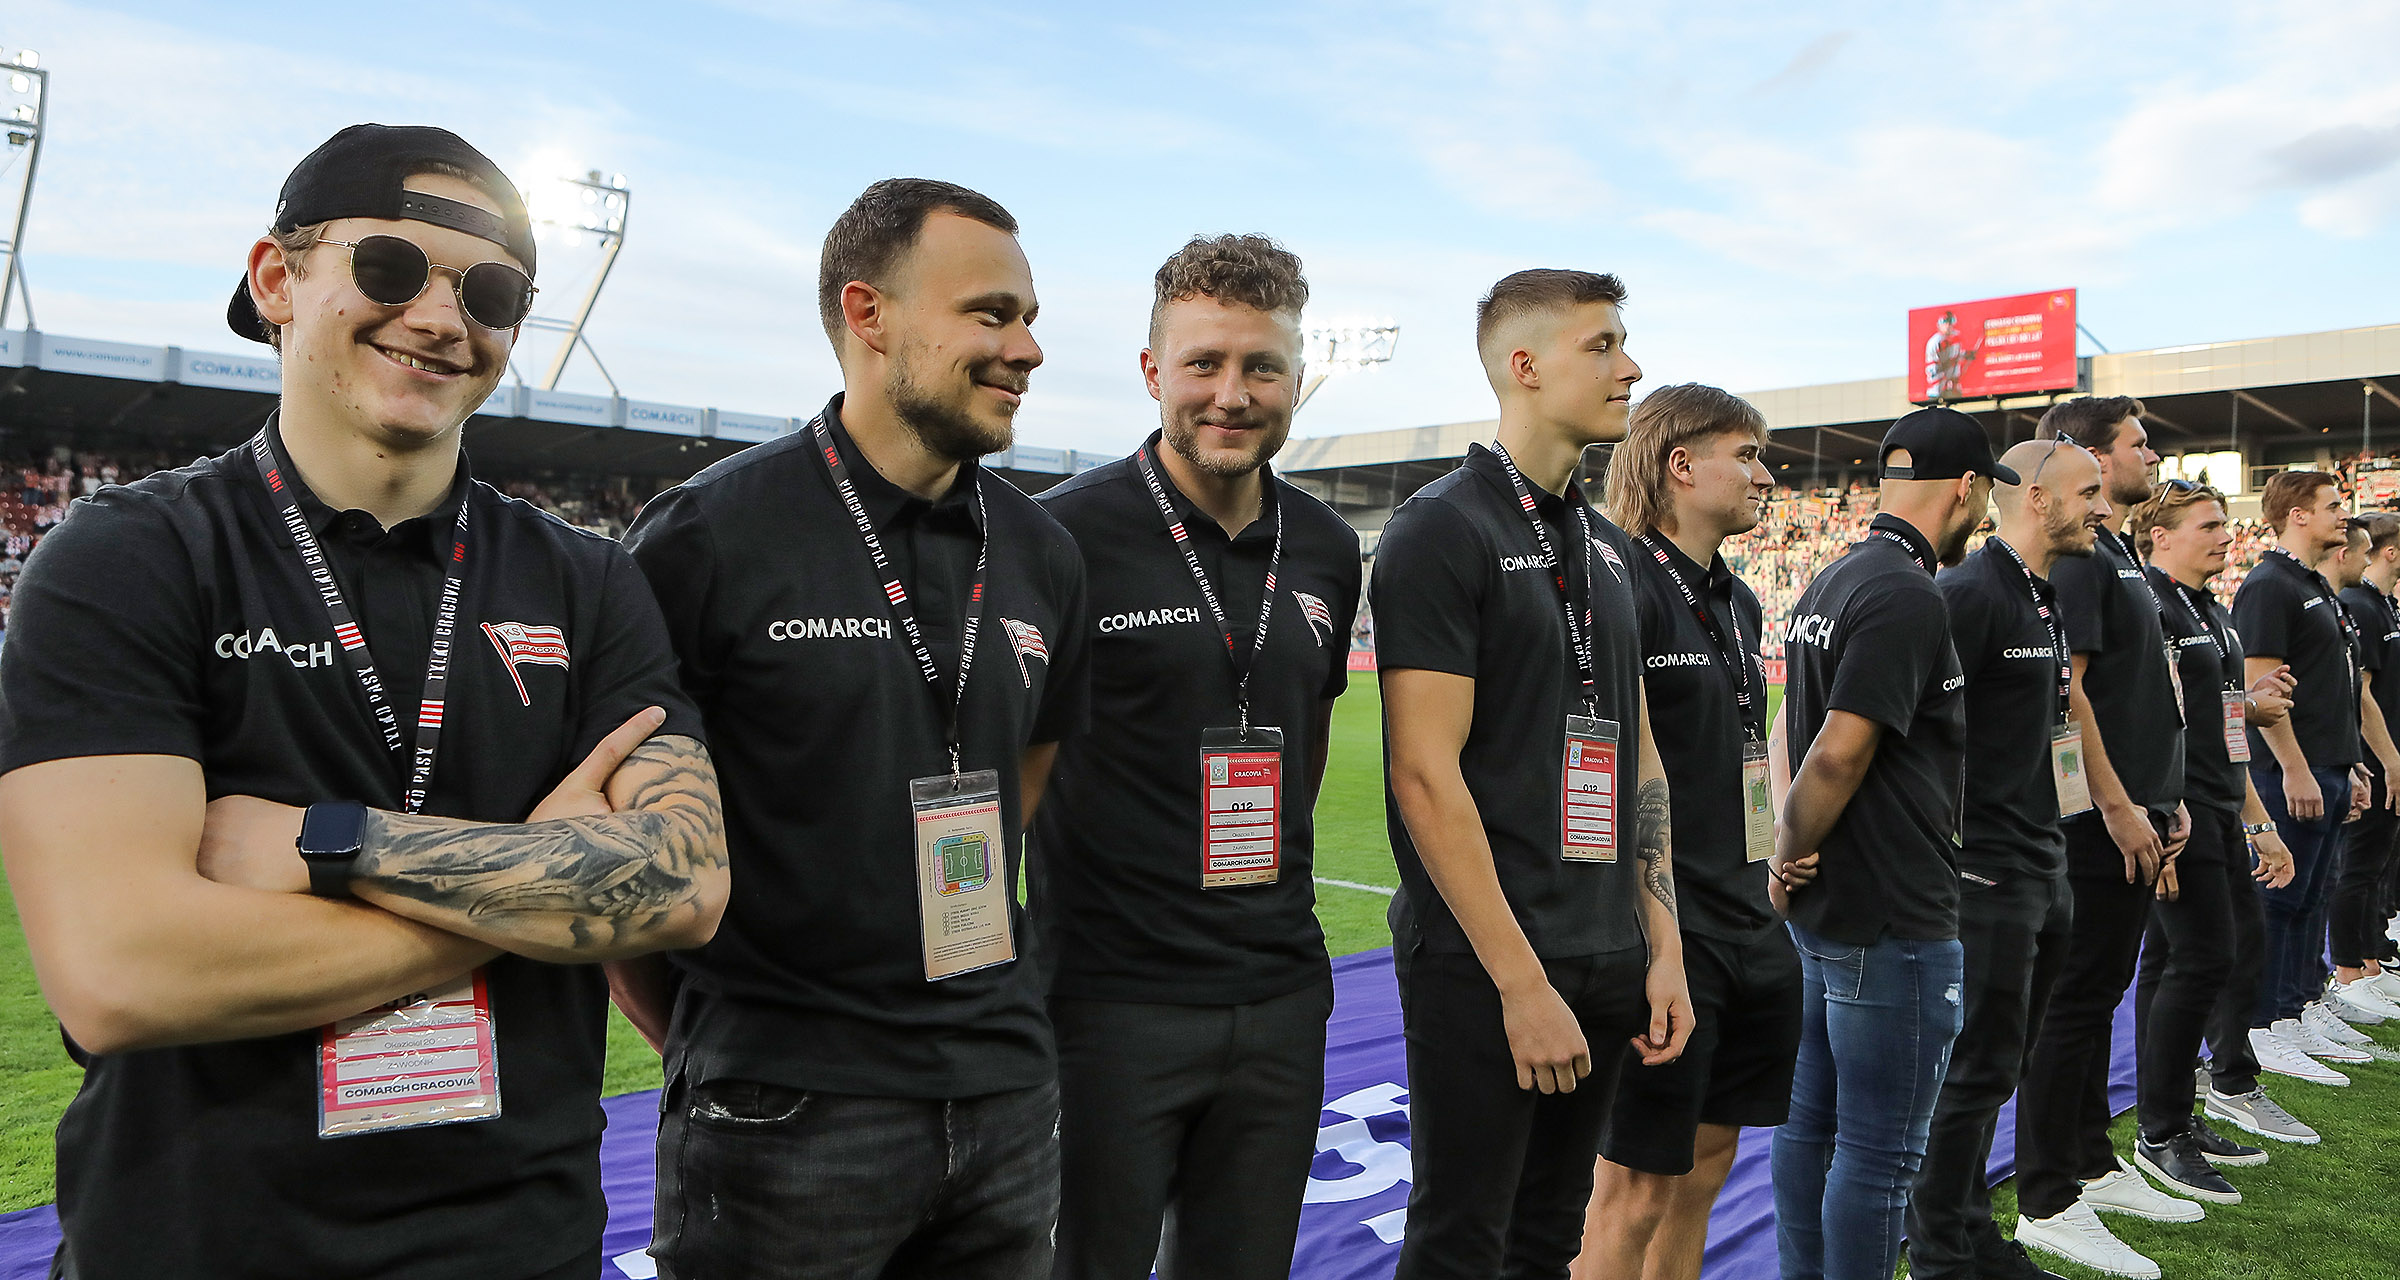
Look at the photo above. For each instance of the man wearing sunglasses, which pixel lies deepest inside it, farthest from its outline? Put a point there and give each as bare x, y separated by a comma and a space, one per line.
2123, 699
256, 716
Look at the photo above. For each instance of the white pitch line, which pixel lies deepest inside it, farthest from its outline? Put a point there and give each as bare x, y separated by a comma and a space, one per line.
1353, 884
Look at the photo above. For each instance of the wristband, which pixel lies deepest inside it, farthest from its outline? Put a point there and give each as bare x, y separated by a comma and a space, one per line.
331, 835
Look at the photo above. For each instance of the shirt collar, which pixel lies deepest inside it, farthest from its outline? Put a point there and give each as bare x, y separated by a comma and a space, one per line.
2290, 563
428, 535
1194, 519
1998, 549
1486, 463
1715, 580
887, 502
1887, 523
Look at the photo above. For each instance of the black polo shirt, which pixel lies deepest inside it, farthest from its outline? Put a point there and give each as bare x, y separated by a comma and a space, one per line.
1461, 586
2114, 620
2373, 615
2288, 612
1871, 636
818, 717
2209, 655
173, 616
2010, 658
1720, 893
1116, 865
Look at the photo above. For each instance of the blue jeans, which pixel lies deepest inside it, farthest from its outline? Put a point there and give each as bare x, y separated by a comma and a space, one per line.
2296, 913
761, 1182
1876, 1027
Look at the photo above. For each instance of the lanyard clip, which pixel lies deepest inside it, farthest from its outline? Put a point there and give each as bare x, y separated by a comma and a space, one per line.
954, 778
1245, 708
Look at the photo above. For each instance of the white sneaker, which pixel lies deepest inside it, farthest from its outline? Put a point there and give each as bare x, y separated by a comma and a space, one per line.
2326, 1023
2385, 984
2392, 930
2275, 1055
2362, 996
2079, 1236
2128, 1192
2299, 1036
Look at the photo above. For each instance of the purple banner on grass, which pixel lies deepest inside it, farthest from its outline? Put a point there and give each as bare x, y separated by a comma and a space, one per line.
1357, 1194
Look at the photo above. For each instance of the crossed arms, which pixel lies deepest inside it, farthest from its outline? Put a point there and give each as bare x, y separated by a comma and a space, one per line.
157, 917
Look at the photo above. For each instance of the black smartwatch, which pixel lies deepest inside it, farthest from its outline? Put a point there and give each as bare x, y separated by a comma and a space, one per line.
330, 835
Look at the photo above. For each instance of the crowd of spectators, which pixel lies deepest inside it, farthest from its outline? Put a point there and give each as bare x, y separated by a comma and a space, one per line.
35, 488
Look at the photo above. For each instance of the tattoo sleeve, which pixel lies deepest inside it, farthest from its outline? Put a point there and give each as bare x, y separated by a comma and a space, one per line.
1653, 838
574, 889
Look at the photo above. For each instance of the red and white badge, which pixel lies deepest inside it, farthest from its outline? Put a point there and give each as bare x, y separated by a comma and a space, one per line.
1588, 791
2237, 737
1241, 805
426, 1059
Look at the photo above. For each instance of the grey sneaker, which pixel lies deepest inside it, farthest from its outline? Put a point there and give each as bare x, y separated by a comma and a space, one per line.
2255, 1112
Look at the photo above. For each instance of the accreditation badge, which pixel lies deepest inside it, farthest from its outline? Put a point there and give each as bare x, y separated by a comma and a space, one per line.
1241, 799
2066, 770
1758, 804
1588, 792
2237, 737
963, 893
425, 1059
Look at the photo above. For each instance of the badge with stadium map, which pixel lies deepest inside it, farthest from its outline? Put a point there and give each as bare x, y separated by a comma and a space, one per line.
962, 882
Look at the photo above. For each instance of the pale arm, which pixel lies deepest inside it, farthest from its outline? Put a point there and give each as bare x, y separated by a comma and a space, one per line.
135, 950
2303, 799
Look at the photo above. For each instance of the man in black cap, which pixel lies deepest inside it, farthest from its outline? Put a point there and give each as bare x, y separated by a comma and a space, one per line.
888, 645
377, 1053
1172, 859
1874, 746
2013, 901
2124, 699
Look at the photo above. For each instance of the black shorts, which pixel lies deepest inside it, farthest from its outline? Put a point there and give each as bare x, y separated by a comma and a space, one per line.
1735, 1070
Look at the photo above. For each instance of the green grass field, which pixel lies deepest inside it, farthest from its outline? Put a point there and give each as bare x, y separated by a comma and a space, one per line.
2316, 1212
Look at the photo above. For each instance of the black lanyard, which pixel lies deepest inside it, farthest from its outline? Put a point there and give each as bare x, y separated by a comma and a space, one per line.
2207, 628
1737, 658
949, 699
2051, 623
1216, 610
1905, 545
1579, 632
353, 642
2316, 581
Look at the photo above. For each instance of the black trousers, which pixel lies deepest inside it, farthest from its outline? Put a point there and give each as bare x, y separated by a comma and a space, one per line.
2359, 909
2062, 1105
1501, 1175
2015, 934
1185, 1134
2193, 982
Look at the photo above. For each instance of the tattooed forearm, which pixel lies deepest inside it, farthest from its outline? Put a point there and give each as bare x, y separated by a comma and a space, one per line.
581, 888
1653, 837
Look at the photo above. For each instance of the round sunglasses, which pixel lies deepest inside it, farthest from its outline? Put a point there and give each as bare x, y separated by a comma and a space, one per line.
393, 271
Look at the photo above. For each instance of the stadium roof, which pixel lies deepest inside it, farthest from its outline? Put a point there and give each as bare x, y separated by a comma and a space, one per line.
2281, 398
86, 388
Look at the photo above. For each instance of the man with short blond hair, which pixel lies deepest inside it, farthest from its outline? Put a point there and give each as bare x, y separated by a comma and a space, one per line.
1173, 883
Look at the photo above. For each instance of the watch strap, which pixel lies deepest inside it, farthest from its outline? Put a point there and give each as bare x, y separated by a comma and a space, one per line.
329, 868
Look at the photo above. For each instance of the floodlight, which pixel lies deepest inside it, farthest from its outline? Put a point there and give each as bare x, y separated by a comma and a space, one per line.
23, 112
596, 207
28, 59
19, 84
1348, 348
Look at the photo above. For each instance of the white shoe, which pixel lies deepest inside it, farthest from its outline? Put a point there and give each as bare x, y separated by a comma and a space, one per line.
2128, 1192
2319, 1017
2299, 1036
2362, 996
2385, 984
2276, 1055
2392, 930
2079, 1236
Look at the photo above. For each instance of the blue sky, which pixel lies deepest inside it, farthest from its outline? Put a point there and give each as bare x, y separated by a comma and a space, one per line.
1777, 184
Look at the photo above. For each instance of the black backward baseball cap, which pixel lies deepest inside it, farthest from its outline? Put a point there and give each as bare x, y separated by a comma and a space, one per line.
1942, 444
359, 173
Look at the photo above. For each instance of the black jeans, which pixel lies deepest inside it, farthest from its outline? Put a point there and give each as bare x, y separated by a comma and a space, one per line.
2062, 1105
2016, 934
1501, 1175
2189, 974
762, 1182
1186, 1134
2357, 910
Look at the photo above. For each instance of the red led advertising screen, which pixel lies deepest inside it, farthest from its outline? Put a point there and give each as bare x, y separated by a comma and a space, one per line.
1996, 347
